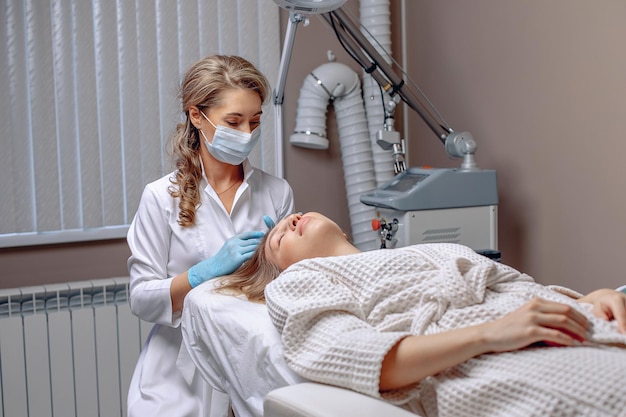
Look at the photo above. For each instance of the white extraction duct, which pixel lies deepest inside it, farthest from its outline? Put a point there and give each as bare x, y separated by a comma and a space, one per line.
337, 84
360, 115
375, 18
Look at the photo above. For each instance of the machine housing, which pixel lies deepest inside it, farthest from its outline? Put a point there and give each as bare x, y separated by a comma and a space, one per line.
433, 205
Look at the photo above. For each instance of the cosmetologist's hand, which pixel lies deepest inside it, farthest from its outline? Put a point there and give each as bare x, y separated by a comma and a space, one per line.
269, 222
231, 255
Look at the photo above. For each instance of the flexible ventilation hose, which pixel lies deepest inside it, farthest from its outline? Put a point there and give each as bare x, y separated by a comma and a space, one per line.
338, 84
359, 118
376, 18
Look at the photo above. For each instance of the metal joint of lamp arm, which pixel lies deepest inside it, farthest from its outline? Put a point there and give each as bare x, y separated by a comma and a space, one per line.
390, 140
462, 145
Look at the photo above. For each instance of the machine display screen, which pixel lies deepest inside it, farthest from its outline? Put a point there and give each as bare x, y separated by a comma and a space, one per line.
405, 182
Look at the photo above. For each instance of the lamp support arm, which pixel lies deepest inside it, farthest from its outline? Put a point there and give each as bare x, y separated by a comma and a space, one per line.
382, 72
285, 57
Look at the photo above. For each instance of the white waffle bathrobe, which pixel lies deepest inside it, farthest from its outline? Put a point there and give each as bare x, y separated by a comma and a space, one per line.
339, 316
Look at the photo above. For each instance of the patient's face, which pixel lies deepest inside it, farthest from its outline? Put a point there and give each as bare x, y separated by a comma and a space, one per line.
298, 237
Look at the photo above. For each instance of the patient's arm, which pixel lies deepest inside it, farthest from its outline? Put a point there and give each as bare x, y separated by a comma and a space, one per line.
609, 305
416, 357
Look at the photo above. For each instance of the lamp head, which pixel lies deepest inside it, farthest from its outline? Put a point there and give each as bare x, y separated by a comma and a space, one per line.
310, 6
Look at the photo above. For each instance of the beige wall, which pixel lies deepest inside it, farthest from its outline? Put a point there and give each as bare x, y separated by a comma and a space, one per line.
541, 86
37, 265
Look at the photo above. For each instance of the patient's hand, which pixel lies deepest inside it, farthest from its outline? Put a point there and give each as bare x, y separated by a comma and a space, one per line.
538, 320
609, 305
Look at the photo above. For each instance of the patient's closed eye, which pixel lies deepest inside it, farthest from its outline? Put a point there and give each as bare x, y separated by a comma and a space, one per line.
276, 239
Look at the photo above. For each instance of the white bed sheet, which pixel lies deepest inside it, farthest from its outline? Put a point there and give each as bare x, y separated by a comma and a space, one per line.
235, 347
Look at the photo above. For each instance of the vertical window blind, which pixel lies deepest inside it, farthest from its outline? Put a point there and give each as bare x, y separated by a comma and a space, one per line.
90, 97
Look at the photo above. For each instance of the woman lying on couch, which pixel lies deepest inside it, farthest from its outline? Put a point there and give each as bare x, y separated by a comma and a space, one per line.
436, 328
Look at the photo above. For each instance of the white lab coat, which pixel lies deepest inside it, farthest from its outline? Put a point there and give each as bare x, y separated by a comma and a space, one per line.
160, 250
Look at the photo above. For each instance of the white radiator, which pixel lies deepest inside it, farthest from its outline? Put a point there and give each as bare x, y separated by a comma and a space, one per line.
68, 350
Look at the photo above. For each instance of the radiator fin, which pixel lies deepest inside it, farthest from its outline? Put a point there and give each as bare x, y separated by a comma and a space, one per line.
68, 349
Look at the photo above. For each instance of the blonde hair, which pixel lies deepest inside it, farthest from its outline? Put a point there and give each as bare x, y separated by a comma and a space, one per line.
251, 278
202, 86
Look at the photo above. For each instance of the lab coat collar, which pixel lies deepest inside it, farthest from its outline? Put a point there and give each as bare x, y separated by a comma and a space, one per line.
248, 171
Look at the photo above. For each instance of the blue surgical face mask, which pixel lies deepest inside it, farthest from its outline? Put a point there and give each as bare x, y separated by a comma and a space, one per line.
231, 146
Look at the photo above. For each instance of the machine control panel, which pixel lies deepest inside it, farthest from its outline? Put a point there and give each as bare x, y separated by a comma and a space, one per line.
435, 188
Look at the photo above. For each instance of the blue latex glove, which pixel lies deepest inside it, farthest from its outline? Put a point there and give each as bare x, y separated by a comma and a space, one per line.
231, 255
269, 222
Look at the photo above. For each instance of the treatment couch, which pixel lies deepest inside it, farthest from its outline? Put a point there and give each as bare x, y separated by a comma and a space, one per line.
235, 347
310, 399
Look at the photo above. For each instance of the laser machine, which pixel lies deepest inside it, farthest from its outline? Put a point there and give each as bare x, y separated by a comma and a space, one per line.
428, 205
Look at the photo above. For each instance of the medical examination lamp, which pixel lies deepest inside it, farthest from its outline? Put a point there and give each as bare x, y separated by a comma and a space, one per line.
457, 144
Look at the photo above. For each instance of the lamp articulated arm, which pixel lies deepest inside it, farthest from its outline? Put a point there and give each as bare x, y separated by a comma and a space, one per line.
457, 144
380, 70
